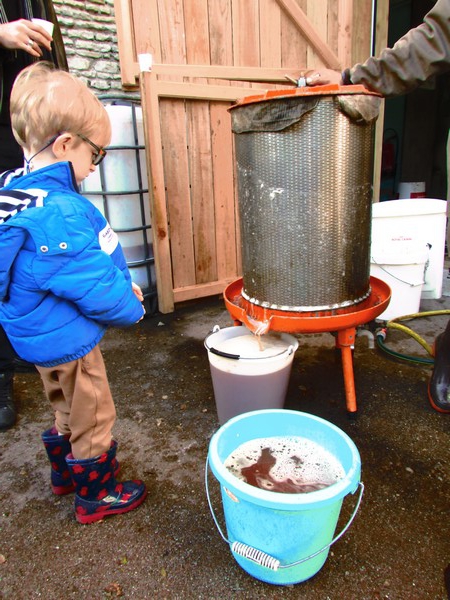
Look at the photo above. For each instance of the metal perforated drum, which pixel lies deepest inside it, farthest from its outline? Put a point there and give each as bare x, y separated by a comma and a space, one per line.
304, 169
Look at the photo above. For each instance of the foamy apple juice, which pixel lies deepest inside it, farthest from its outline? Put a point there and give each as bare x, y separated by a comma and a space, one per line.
292, 465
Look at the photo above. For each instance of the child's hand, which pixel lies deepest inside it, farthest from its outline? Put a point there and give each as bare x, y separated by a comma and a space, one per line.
143, 308
139, 295
137, 291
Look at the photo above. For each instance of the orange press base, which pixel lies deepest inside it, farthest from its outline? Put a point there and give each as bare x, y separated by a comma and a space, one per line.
343, 320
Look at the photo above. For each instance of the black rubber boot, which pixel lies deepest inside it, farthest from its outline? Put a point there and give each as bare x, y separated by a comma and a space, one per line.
439, 386
7, 407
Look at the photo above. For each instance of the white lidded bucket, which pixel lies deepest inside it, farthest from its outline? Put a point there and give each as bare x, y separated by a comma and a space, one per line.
418, 222
404, 273
248, 372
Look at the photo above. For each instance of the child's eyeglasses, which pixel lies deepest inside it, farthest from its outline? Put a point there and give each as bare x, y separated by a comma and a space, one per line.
99, 154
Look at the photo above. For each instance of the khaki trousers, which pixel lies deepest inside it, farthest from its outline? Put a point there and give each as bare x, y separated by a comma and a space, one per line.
82, 401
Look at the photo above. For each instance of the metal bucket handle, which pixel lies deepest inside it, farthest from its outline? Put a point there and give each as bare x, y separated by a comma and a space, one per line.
264, 559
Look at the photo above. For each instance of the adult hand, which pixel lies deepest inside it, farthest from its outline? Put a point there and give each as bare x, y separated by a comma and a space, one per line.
25, 35
322, 77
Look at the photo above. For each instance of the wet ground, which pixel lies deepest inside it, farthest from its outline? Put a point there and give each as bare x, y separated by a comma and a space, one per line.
397, 547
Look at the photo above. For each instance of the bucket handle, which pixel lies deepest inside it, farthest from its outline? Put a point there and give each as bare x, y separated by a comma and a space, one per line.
224, 354
263, 558
395, 277
289, 350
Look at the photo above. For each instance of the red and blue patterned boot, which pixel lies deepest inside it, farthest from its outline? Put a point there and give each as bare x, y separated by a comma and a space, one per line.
58, 447
97, 493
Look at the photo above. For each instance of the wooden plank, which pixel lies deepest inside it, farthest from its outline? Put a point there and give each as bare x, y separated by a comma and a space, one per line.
246, 42
146, 28
201, 290
360, 33
246, 33
178, 192
270, 33
316, 11
297, 15
155, 168
293, 43
236, 73
220, 32
225, 199
199, 143
126, 42
171, 25
202, 193
346, 31
381, 37
175, 149
333, 25
196, 27
177, 89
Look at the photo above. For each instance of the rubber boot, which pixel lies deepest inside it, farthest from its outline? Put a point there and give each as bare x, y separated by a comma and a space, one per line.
7, 408
58, 447
439, 385
97, 493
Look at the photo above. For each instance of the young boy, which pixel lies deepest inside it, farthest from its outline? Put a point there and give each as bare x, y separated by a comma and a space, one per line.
64, 280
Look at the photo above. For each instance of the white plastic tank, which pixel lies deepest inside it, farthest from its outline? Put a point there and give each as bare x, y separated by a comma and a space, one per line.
119, 189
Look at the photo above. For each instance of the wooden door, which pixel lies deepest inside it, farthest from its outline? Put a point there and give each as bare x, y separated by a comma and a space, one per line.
207, 54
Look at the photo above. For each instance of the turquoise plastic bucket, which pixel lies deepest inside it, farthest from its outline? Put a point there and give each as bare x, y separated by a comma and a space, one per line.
281, 538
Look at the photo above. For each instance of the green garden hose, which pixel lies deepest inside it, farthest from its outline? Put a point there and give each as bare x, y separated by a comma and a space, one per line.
395, 324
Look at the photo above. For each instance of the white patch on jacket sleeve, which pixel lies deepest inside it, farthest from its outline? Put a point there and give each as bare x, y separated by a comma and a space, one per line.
108, 239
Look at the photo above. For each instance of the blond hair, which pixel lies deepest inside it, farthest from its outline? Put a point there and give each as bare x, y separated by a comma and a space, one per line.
46, 101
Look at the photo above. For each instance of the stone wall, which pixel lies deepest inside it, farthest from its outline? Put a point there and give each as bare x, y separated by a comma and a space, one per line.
90, 38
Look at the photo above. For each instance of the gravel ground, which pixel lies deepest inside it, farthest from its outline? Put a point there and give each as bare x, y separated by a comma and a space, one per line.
398, 546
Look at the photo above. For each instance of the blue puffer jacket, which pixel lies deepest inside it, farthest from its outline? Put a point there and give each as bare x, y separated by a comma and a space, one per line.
63, 275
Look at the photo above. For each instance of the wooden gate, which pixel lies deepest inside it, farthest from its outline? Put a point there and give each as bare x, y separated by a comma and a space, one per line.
207, 54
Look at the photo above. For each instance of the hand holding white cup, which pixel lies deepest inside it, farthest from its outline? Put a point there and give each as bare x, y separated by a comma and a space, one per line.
47, 25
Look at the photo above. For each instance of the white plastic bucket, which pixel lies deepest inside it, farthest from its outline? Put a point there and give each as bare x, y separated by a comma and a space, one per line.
246, 377
418, 222
404, 273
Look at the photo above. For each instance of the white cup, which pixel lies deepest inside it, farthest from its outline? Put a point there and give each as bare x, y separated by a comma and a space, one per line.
47, 25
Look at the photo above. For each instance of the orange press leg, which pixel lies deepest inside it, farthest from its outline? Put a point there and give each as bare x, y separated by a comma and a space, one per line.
345, 340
